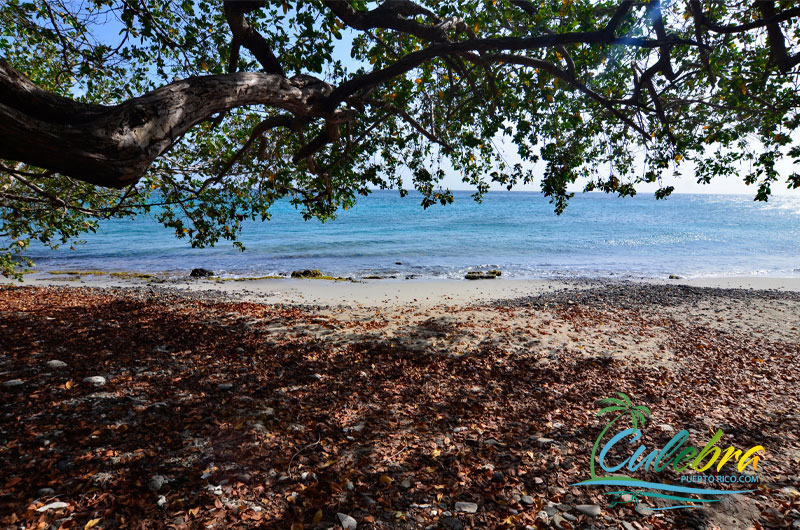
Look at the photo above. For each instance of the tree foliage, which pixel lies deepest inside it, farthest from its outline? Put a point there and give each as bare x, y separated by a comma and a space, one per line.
345, 96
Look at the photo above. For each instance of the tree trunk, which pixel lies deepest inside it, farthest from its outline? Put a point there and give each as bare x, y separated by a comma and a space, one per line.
113, 146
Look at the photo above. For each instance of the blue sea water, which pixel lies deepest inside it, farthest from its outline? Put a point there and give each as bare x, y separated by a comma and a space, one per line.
598, 236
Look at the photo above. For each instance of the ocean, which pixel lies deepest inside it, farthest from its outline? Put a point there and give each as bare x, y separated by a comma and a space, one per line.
517, 232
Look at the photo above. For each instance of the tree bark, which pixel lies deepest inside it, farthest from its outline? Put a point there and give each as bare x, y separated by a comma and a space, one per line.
113, 146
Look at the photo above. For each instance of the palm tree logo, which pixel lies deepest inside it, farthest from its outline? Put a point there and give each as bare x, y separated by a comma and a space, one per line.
623, 406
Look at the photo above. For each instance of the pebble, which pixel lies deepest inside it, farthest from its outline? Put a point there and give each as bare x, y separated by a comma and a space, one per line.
96, 380
570, 517
526, 499
12, 383
347, 522
466, 507
498, 476
627, 525
225, 386
45, 492
157, 482
56, 364
52, 506
643, 510
592, 510
545, 442
558, 521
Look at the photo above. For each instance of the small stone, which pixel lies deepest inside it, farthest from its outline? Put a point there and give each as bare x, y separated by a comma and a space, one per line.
225, 386
316, 377
466, 507
406, 484
570, 517
627, 526
347, 522
545, 442
643, 510
157, 482
666, 428
45, 492
56, 364
498, 476
12, 383
102, 477
550, 510
592, 510
52, 506
350, 486
527, 499
460, 429
161, 501
557, 521
543, 517
96, 380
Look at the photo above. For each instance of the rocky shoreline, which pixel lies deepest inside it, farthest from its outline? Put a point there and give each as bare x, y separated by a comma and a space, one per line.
166, 406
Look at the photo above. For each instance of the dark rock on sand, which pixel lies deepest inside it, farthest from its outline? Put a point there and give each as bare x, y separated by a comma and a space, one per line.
201, 273
307, 273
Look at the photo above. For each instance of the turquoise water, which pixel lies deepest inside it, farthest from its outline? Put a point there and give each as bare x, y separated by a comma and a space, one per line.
598, 235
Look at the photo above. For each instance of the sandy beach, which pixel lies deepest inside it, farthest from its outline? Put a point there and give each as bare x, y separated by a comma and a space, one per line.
399, 404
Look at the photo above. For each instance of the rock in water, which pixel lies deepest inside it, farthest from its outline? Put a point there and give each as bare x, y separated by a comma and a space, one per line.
347, 522
466, 507
96, 380
201, 273
308, 273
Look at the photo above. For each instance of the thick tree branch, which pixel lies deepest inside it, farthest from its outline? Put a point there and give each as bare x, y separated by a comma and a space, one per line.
114, 146
245, 35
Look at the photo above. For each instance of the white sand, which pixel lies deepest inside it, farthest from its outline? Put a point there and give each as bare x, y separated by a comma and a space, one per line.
383, 293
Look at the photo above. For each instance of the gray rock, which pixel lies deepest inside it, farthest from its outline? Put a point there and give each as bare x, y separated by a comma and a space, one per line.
643, 510
347, 522
52, 506
592, 510
157, 482
12, 383
545, 442
627, 525
96, 380
526, 499
570, 517
550, 510
557, 521
498, 476
406, 484
45, 492
466, 507
56, 364
225, 386
666, 428
102, 477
